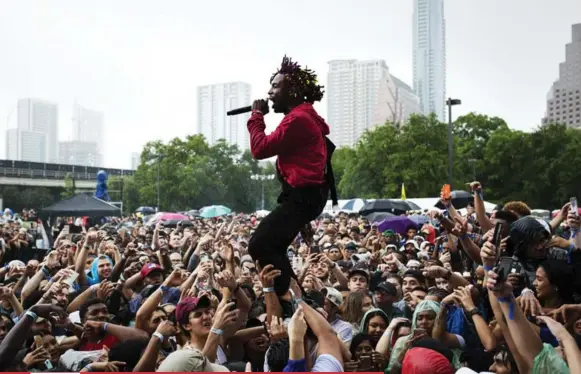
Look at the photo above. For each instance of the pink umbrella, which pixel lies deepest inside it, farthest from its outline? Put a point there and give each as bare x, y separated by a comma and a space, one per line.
173, 217
162, 216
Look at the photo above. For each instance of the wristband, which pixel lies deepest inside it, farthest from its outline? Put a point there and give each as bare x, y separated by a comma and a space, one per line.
488, 268
510, 301
465, 236
46, 272
574, 233
217, 331
88, 367
159, 336
256, 111
32, 315
268, 289
480, 194
105, 325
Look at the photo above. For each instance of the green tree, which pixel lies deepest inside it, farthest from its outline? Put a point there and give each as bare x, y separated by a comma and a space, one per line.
69, 189
366, 174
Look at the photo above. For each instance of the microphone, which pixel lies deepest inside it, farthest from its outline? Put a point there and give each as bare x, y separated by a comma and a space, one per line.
244, 109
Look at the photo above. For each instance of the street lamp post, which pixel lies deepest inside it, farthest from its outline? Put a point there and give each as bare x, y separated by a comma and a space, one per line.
451, 102
158, 167
262, 178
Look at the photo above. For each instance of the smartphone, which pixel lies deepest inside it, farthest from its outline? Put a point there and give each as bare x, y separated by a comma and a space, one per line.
504, 267
497, 239
365, 362
574, 207
446, 192
66, 230
71, 278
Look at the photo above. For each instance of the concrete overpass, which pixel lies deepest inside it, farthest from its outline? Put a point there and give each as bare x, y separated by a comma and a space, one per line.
21, 173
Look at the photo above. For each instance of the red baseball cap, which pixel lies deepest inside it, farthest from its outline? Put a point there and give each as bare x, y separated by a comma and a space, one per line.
189, 304
148, 268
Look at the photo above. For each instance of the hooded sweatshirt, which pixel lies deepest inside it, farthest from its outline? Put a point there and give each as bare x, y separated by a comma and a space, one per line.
93, 276
367, 317
298, 141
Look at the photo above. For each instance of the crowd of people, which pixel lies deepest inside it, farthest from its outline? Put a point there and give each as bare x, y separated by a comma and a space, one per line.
438, 298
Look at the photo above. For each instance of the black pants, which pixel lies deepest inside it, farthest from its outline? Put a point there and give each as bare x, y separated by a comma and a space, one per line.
269, 244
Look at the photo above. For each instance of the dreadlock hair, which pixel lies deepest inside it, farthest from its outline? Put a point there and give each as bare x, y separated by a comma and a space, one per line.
302, 82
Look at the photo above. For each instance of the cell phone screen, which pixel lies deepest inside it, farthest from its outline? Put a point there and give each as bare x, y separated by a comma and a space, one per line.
497, 239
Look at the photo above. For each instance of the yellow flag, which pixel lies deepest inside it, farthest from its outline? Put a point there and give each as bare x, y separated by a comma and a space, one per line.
403, 192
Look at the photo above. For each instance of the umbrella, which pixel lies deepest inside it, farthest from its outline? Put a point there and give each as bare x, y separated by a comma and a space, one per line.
193, 213
404, 205
419, 220
145, 210
174, 223
398, 224
354, 205
378, 217
460, 199
162, 216
381, 205
215, 211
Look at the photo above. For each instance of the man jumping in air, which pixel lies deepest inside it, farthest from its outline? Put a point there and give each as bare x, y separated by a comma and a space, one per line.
303, 165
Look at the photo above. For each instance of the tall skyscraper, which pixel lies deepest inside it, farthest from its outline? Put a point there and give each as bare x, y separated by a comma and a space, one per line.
36, 136
135, 160
79, 153
88, 126
564, 98
86, 146
213, 103
363, 94
429, 45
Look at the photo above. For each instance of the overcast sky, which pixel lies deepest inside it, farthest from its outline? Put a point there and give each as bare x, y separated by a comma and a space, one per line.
139, 61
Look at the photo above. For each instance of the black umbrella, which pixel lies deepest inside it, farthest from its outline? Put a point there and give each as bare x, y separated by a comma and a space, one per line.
172, 223
405, 205
382, 205
460, 199
377, 217
145, 210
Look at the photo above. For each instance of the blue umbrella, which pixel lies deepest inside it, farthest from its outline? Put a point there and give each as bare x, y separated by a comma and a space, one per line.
215, 211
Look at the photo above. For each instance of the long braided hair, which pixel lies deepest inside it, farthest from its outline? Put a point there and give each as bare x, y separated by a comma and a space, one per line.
303, 84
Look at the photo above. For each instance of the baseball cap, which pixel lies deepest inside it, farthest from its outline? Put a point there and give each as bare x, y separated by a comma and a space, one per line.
333, 295
149, 268
387, 288
388, 233
351, 246
189, 304
360, 271
189, 360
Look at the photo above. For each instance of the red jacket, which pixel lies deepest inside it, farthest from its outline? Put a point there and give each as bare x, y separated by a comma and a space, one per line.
299, 143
